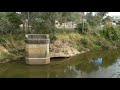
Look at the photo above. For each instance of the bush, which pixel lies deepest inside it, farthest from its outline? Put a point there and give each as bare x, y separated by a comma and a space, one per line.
96, 47
87, 43
111, 32
5, 57
52, 38
96, 34
9, 23
15, 46
80, 26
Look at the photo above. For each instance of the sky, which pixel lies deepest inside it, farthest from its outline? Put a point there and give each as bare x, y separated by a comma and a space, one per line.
114, 14
111, 13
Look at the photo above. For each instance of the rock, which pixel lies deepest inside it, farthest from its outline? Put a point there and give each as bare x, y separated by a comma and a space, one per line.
82, 52
87, 49
62, 50
60, 54
2, 49
75, 51
70, 53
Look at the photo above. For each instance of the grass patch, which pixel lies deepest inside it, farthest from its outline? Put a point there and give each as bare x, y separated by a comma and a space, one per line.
15, 46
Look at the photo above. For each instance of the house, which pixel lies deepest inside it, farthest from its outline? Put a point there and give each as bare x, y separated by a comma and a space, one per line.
116, 20
67, 25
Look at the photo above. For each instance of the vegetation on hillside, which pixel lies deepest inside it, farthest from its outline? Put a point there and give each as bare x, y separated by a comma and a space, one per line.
91, 31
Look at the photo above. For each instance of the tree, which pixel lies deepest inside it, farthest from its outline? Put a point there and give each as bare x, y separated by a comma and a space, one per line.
107, 19
76, 17
9, 22
90, 19
101, 15
14, 18
96, 20
2, 22
44, 22
80, 28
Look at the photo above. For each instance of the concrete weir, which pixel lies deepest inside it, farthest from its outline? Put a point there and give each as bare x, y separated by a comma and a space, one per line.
37, 49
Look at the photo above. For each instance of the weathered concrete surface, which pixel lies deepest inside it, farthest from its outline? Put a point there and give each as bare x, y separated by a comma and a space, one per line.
37, 61
37, 49
37, 54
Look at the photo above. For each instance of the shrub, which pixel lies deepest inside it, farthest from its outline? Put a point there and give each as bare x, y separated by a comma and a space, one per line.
5, 57
80, 26
15, 46
87, 43
111, 32
96, 34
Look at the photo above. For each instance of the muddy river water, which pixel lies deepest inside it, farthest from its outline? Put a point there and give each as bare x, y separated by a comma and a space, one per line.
93, 64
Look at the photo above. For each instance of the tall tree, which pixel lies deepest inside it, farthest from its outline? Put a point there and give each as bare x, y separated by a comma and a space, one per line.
96, 20
101, 14
107, 19
14, 18
9, 22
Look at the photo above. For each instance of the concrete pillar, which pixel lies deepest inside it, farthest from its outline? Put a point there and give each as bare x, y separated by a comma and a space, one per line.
37, 49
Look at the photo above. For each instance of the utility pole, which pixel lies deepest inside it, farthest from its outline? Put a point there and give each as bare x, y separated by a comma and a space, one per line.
28, 20
83, 22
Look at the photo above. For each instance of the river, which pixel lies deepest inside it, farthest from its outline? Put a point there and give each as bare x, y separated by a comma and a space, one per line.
93, 64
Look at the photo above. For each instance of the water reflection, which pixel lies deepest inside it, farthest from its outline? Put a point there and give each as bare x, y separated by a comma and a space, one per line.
105, 64
99, 66
97, 61
71, 71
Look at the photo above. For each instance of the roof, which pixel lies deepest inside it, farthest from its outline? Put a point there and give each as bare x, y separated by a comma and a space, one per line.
116, 18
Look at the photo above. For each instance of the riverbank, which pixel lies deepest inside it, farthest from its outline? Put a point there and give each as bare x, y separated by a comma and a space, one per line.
71, 44
67, 45
64, 45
